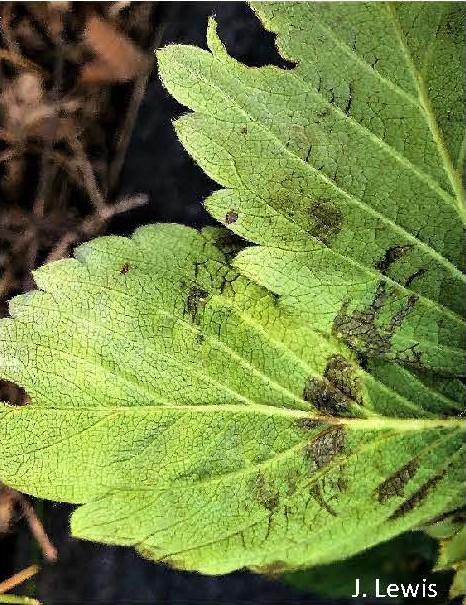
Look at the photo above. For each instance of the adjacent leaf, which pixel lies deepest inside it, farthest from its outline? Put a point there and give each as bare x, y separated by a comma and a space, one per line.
458, 586
169, 397
345, 169
452, 552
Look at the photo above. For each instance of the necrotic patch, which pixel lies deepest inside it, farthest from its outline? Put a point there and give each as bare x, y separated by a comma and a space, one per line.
395, 484
323, 448
338, 389
326, 220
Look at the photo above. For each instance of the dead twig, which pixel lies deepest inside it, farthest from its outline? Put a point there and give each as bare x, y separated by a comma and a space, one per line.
48, 169
20, 61
19, 578
85, 168
93, 224
126, 131
124, 205
49, 551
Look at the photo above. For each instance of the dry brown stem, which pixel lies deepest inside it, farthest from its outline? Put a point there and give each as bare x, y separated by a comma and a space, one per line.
49, 551
19, 578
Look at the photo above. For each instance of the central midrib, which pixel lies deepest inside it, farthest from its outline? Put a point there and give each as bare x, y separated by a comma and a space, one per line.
374, 422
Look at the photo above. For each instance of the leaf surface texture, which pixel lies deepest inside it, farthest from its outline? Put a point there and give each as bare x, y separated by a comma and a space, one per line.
296, 401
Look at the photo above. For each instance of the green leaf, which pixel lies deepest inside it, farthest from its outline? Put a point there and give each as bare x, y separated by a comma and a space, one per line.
452, 550
10, 599
169, 398
211, 408
458, 586
451, 532
345, 169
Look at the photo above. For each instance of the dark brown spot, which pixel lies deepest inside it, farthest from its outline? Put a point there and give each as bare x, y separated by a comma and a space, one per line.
323, 448
414, 276
196, 298
13, 394
229, 243
308, 424
266, 496
341, 373
342, 484
326, 397
455, 516
391, 256
244, 130
395, 484
399, 317
349, 101
292, 480
231, 217
124, 269
337, 391
326, 220
417, 498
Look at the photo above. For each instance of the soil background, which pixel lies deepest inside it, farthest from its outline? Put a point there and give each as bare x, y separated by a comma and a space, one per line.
157, 165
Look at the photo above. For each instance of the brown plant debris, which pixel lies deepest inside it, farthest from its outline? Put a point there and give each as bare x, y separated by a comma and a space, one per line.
18, 578
72, 76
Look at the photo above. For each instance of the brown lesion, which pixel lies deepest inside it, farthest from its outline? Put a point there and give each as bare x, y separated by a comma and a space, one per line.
342, 484
293, 478
266, 495
325, 447
417, 498
231, 217
455, 516
337, 391
414, 276
196, 299
229, 243
309, 424
327, 220
326, 397
13, 394
360, 328
395, 484
316, 492
391, 256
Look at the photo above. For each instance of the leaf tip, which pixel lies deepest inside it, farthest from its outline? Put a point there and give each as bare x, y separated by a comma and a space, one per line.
214, 44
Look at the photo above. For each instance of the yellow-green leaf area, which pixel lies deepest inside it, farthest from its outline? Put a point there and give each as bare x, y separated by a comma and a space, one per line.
293, 397
194, 419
